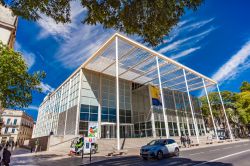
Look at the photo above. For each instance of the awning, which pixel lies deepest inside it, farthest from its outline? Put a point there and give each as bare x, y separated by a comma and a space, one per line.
137, 63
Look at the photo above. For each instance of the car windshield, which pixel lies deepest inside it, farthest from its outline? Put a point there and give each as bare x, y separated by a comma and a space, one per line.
155, 142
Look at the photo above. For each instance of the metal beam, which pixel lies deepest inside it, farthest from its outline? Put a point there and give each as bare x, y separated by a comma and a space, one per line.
210, 110
184, 82
161, 56
175, 78
147, 72
185, 108
168, 72
117, 94
191, 107
177, 117
190, 90
124, 55
162, 99
189, 85
150, 57
229, 128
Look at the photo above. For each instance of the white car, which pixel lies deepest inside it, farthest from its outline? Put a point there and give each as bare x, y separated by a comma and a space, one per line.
159, 148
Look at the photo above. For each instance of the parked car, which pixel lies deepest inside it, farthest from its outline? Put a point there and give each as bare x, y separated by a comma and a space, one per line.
159, 148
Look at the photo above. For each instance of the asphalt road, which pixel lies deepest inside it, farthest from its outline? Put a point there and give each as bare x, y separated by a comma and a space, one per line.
237, 154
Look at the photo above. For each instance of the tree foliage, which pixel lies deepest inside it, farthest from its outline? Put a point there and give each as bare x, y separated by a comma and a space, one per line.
228, 100
149, 19
243, 103
16, 84
245, 86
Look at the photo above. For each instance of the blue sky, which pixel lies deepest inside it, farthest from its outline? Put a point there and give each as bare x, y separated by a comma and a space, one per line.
214, 40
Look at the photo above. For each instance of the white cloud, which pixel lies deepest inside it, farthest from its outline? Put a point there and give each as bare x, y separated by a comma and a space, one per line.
59, 30
185, 53
46, 88
175, 31
235, 65
27, 56
198, 25
175, 45
32, 107
81, 45
77, 41
183, 27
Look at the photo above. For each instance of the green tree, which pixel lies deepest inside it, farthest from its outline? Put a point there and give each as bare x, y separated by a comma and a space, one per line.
245, 86
16, 84
149, 19
229, 103
243, 107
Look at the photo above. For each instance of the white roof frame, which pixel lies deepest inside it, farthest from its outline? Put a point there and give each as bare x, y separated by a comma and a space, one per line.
134, 46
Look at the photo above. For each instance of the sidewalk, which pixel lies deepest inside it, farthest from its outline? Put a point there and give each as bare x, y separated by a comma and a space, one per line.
24, 157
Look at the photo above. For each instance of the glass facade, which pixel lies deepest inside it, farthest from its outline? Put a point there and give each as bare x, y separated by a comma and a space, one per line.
138, 116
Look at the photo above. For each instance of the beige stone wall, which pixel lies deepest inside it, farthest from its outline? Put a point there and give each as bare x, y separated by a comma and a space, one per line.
8, 24
17, 126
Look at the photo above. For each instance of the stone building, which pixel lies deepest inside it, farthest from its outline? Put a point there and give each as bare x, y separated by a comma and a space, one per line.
17, 126
8, 26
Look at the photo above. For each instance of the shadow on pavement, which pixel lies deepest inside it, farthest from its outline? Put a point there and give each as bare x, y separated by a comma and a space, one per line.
136, 160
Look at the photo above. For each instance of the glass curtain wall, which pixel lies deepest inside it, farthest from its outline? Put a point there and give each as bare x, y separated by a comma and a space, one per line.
141, 111
99, 91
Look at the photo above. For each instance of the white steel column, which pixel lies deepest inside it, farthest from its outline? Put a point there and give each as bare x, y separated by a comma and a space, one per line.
210, 109
100, 108
162, 99
177, 118
229, 128
59, 109
191, 107
78, 103
188, 127
67, 106
131, 107
117, 94
152, 114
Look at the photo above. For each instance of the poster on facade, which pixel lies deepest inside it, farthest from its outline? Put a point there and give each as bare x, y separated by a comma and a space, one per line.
156, 95
93, 129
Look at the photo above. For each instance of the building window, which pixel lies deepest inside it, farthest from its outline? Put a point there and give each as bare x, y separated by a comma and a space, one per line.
6, 130
13, 130
8, 121
15, 121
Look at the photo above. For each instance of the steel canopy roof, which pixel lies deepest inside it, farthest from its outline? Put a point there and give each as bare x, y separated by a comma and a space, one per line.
137, 63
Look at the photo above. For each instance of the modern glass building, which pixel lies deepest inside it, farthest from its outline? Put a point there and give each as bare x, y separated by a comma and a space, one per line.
126, 90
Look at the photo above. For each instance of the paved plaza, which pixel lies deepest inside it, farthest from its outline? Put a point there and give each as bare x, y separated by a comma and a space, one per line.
234, 153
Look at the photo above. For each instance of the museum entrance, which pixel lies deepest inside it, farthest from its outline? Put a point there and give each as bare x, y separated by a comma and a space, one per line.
109, 130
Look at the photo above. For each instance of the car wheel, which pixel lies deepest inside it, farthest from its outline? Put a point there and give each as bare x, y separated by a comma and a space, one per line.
176, 152
145, 158
159, 155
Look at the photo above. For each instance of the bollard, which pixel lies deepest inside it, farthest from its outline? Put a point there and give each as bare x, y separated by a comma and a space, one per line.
90, 154
82, 153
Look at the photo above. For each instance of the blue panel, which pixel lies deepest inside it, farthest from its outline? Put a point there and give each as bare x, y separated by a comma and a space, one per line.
84, 116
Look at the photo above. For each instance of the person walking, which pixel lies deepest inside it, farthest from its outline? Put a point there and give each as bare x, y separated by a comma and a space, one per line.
184, 141
181, 139
7, 144
36, 145
6, 157
12, 145
188, 142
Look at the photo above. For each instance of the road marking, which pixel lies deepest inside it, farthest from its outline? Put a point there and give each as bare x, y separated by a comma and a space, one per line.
196, 153
234, 154
214, 150
228, 147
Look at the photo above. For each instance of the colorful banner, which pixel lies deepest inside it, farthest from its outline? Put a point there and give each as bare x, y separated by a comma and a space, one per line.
93, 129
156, 95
